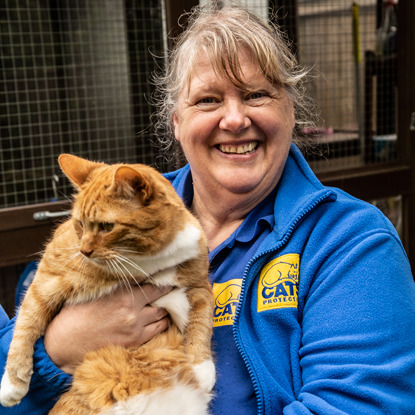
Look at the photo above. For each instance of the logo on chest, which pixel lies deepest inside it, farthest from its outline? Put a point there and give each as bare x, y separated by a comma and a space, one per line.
226, 301
278, 283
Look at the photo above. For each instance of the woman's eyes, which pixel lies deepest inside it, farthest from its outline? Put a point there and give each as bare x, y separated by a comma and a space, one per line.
206, 100
257, 95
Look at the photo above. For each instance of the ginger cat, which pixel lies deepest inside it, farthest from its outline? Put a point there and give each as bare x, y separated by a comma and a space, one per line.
128, 227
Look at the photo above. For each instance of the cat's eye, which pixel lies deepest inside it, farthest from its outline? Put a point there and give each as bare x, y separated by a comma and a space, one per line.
107, 227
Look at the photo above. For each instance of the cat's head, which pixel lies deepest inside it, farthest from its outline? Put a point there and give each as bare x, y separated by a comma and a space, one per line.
121, 210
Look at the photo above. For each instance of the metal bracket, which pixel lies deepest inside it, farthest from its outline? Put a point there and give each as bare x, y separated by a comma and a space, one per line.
43, 215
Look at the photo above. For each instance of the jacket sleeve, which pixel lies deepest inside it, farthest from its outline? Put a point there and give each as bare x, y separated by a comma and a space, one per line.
48, 381
358, 332
4, 319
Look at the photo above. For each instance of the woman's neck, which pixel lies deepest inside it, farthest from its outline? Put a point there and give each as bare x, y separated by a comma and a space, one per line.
221, 214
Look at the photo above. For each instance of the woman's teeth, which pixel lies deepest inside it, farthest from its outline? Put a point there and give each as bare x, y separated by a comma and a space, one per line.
242, 149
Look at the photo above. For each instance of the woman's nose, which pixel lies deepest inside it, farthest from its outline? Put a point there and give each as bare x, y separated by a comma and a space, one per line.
234, 118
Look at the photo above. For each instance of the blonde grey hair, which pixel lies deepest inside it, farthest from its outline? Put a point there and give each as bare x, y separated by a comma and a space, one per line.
221, 32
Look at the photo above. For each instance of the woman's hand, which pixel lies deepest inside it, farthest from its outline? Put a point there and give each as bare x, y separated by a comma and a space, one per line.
123, 318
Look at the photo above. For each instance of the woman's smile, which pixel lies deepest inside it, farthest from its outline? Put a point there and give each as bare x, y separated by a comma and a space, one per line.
240, 149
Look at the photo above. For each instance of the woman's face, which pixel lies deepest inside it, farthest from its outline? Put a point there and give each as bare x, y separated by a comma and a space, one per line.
235, 140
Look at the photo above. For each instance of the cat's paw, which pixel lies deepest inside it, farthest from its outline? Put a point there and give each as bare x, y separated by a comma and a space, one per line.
10, 393
206, 374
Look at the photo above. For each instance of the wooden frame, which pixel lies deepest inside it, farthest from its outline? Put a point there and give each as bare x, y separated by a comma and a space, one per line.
22, 238
406, 112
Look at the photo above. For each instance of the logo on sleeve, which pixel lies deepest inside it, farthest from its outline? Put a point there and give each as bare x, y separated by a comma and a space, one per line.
278, 283
227, 296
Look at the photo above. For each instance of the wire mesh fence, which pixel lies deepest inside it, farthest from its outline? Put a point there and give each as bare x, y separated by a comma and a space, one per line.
351, 48
75, 78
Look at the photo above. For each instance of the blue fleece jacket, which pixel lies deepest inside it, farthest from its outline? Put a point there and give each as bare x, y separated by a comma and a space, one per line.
326, 316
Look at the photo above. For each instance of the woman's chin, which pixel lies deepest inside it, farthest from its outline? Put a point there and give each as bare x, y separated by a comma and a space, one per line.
239, 182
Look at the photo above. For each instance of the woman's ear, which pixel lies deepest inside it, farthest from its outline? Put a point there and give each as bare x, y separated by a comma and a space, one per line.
176, 126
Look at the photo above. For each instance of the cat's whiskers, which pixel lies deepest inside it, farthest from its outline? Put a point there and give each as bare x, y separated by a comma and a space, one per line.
123, 249
132, 264
119, 261
38, 253
114, 270
77, 259
120, 273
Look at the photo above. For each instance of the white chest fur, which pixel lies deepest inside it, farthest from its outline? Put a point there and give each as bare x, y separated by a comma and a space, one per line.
185, 246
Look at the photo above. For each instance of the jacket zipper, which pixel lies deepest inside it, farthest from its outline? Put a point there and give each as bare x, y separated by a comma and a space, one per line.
235, 331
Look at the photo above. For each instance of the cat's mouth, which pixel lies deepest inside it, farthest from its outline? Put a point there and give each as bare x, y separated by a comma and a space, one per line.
246, 148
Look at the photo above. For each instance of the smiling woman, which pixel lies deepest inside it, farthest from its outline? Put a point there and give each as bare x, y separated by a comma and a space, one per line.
220, 41
236, 136
284, 249
230, 97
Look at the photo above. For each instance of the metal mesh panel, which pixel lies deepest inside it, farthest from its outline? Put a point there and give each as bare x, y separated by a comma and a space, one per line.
74, 79
353, 82
260, 7
351, 51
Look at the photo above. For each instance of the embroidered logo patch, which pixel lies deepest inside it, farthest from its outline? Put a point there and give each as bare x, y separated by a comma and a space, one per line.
278, 283
226, 300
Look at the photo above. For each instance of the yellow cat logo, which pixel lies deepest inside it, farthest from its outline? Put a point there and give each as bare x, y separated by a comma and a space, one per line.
278, 283
226, 300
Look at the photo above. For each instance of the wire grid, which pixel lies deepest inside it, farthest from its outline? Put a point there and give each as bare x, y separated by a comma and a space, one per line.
67, 86
354, 92
75, 79
260, 7
355, 99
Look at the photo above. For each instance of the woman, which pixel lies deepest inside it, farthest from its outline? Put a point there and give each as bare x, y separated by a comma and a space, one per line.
315, 301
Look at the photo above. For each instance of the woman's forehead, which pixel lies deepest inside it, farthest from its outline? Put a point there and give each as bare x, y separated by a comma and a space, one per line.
242, 70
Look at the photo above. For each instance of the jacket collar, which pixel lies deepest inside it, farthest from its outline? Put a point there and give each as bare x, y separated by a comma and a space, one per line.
299, 192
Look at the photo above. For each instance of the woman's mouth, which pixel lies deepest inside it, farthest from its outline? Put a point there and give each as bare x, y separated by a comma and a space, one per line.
239, 149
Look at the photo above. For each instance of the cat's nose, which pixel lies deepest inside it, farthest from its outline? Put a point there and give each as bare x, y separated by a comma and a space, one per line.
86, 253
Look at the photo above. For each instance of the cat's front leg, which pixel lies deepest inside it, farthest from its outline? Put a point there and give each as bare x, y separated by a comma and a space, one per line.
197, 328
206, 374
198, 336
19, 368
31, 322
15, 383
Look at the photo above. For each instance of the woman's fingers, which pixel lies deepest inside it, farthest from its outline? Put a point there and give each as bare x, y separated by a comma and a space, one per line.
124, 318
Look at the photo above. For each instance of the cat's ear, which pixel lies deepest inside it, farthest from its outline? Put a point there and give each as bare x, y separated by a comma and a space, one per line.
130, 183
76, 168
